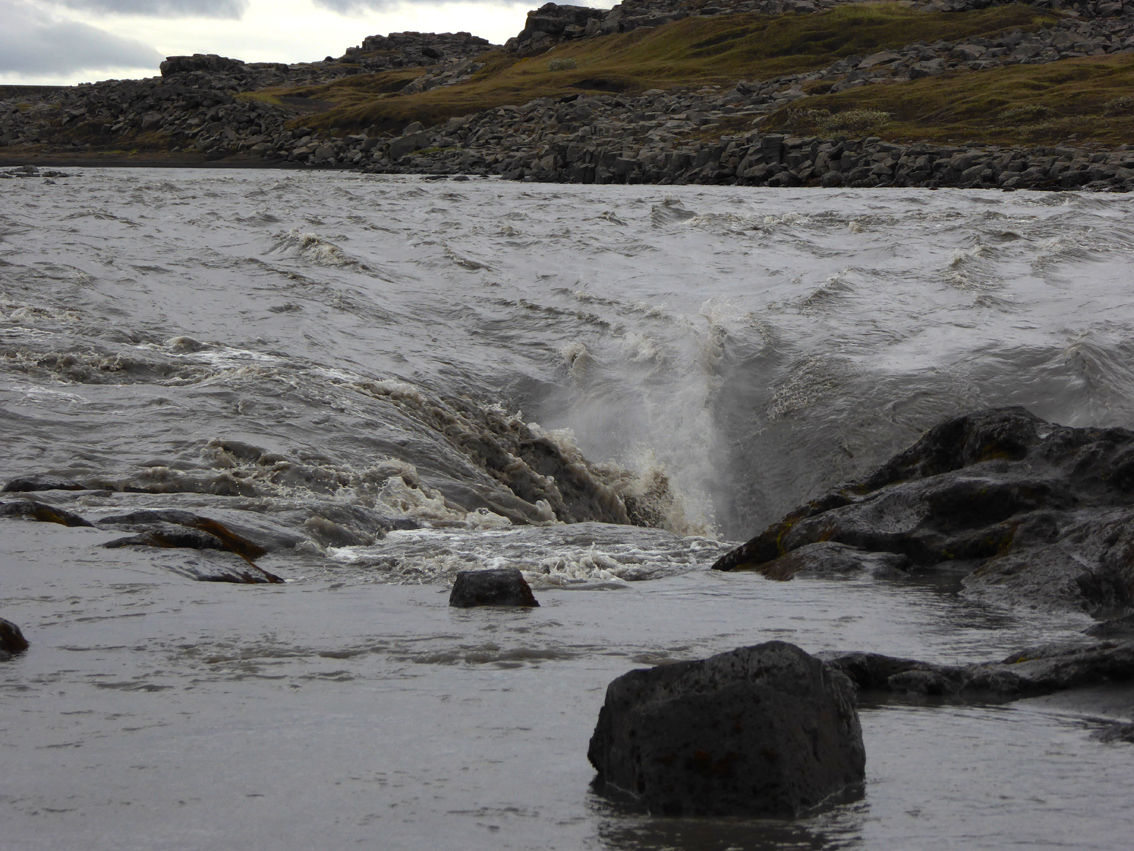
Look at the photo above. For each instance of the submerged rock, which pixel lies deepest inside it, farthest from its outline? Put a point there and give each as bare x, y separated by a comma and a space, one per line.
31, 510
41, 482
1031, 672
11, 639
502, 587
1035, 514
197, 532
173, 528
764, 730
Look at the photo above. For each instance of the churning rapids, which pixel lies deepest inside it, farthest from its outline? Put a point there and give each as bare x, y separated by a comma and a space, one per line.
391, 380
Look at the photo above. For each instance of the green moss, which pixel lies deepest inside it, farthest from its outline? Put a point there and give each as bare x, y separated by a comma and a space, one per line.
263, 96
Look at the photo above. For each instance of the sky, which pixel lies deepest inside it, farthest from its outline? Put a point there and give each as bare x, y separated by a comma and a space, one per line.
65, 42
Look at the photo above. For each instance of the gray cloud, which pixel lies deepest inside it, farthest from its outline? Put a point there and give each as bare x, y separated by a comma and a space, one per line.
233, 9
34, 43
349, 7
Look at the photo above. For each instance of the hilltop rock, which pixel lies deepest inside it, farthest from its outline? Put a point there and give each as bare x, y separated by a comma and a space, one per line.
760, 731
199, 62
552, 23
1035, 514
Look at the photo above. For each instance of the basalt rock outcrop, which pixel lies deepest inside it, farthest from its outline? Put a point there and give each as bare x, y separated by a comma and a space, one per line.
1031, 513
760, 731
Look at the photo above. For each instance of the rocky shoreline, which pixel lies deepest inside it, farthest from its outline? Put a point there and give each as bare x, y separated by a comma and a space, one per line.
208, 110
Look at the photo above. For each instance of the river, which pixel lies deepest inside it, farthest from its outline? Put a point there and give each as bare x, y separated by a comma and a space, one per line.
392, 379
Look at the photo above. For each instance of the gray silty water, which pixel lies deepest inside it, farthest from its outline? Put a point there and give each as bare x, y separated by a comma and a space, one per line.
307, 354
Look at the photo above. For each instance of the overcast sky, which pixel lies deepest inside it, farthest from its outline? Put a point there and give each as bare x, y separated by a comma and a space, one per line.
64, 42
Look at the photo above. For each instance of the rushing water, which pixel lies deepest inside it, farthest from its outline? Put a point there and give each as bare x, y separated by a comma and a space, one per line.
312, 357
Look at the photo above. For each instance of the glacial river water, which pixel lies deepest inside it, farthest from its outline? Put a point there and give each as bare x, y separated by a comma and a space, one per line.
393, 379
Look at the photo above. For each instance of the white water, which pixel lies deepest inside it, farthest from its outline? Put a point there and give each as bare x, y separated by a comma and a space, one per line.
301, 353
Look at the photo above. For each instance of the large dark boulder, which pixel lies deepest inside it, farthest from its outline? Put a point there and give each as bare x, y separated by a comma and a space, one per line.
761, 731
11, 639
501, 587
1032, 513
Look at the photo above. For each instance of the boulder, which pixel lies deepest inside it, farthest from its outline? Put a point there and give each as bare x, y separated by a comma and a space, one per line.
407, 144
501, 587
760, 731
1031, 513
11, 639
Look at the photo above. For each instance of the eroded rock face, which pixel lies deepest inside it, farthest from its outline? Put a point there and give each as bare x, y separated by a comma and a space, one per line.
761, 731
503, 587
1035, 514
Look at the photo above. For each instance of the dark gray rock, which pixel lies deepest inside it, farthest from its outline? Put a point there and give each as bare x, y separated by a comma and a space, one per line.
761, 731
11, 639
502, 587
1035, 514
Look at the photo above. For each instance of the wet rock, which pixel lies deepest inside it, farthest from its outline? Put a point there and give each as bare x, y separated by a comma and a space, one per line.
1113, 733
31, 510
333, 524
1030, 672
502, 587
41, 482
1034, 513
1120, 627
176, 529
190, 529
761, 731
11, 639
827, 558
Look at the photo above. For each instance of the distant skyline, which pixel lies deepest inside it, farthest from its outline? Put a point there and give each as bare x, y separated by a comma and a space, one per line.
65, 42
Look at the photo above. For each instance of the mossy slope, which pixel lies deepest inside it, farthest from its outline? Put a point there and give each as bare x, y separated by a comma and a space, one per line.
694, 52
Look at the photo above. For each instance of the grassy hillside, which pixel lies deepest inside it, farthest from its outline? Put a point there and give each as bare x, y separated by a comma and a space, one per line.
692, 52
1075, 100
